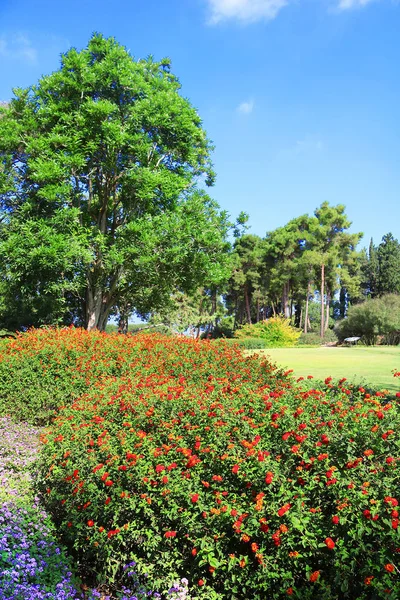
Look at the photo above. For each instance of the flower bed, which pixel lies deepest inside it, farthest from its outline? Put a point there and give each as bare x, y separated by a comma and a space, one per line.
197, 462
33, 564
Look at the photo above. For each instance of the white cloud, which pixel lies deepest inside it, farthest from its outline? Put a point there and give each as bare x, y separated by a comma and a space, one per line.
246, 11
308, 144
246, 107
18, 46
349, 4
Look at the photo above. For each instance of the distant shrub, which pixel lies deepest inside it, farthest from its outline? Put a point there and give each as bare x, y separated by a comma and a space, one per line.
223, 329
313, 338
373, 319
252, 343
276, 332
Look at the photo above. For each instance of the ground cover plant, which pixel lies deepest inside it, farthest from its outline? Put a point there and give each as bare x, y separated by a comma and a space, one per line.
33, 563
194, 461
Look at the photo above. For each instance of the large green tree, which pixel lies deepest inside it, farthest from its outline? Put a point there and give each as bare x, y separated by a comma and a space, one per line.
108, 143
336, 248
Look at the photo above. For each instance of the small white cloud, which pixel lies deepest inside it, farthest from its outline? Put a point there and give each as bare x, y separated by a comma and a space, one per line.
246, 11
246, 107
308, 144
349, 4
18, 46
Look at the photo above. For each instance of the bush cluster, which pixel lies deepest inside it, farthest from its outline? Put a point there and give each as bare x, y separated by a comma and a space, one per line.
374, 320
276, 332
200, 463
314, 339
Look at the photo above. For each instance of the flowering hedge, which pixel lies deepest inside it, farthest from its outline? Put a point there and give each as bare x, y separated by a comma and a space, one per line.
198, 462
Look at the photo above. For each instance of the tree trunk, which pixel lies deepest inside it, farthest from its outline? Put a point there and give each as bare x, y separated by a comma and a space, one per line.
97, 309
285, 300
247, 301
342, 302
328, 300
322, 301
123, 321
306, 315
258, 310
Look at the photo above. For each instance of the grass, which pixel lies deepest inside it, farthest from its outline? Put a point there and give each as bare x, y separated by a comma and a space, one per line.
359, 364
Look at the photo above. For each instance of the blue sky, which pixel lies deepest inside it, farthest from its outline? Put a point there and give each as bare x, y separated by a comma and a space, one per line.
300, 97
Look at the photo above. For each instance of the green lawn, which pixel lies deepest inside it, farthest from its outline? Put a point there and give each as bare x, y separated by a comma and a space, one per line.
359, 363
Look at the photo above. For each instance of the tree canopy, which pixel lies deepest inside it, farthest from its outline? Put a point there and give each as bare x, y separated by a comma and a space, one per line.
104, 154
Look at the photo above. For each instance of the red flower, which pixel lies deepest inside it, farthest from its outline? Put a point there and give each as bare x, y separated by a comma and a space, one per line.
335, 520
235, 469
109, 483
194, 552
389, 460
112, 532
201, 582
314, 576
160, 468
389, 568
90, 523
170, 534
289, 591
284, 509
395, 523
330, 543
195, 498
268, 478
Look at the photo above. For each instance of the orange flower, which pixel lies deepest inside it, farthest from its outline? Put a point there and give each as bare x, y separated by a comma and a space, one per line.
389, 568
368, 580
314, 576
254, 547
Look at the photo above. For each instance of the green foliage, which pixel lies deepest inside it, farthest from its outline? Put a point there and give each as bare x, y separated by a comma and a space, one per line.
314, 339
388, 257
99, 162
276, 332
373, 320
204, 464
252, 343
380, 268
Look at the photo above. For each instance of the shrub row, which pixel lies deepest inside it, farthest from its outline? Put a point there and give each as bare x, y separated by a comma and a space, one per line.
196, 462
